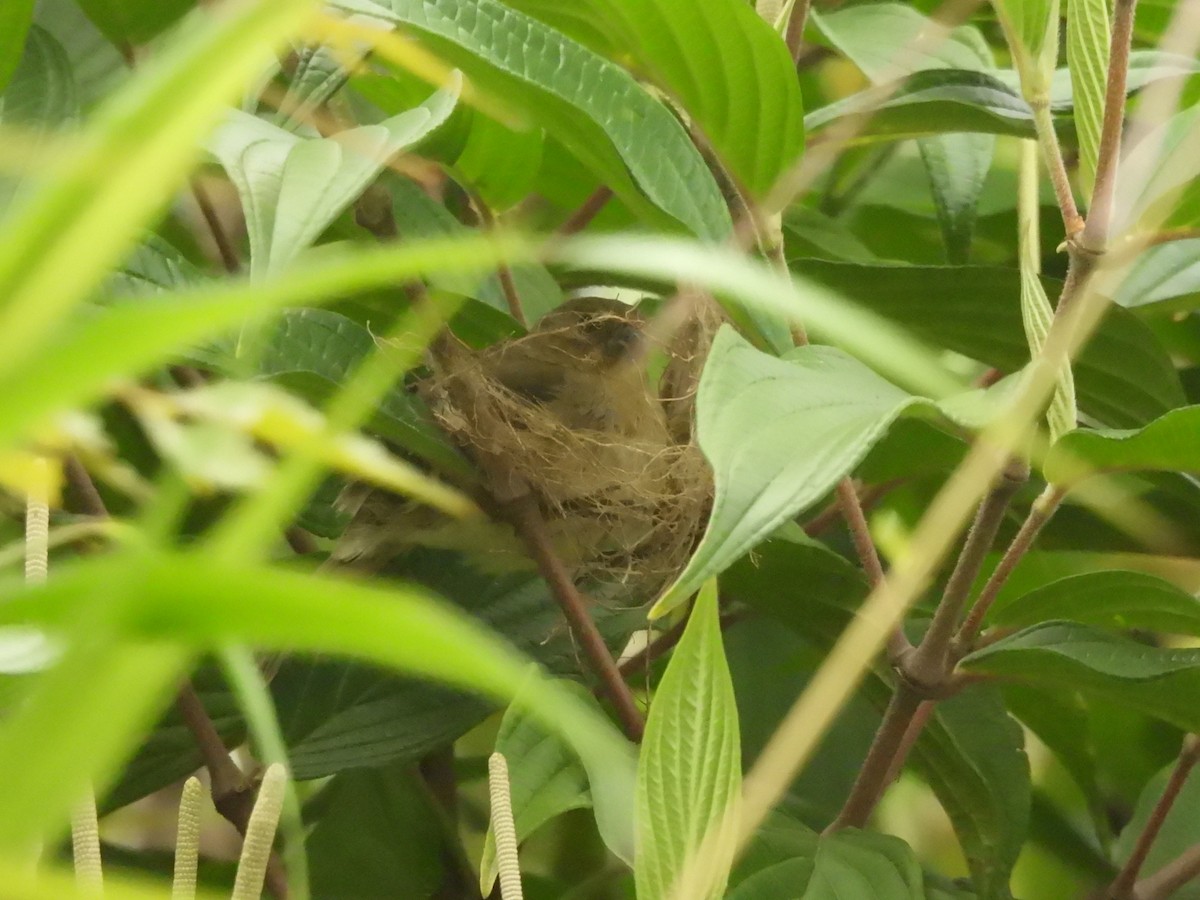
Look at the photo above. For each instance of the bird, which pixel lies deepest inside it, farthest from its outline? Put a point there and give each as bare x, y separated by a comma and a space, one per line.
578, 376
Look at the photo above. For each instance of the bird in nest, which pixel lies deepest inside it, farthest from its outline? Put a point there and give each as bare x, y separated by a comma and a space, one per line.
569, 408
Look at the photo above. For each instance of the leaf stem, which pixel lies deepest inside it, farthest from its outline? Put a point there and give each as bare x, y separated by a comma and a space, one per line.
1123, 884
1043, 123
1100, 210
526, 518
1039, 514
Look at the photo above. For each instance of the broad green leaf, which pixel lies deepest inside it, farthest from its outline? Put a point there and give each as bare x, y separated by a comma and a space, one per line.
71, 231
957, 164
1160, 168
779, 434
292, 188
129, 338
40, 97
973, 756
689, 772
500, 163
1087, 58
845, 865
98, 66
154, 267
545, 780
1123, 376
15, 19
374, 835
134, 22
709, 57
1119, 600
1161, 683
177, 599
1163, 273
312, 351
1171, 443
598, 111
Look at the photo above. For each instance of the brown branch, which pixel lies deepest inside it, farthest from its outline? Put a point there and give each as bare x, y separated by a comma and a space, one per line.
513, 298
881, 760
1189, 755
590, 208
1039, 514
83, 489
526, 518
1167, 880
868, 499
930, 664
1055, 165
1100, 210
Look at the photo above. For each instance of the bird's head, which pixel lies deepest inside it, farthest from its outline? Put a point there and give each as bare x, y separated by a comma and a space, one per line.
605, 330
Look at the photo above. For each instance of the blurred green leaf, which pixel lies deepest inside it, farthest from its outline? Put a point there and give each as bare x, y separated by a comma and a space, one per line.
1171, 442
1168, 272
594, 107
1123, 375
689, 772
545, 781
373, 836
292, 188
15, 19
71, 231
132, 22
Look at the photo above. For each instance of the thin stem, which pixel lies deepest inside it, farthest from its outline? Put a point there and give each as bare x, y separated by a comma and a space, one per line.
872, 778
591, 207
929, 665
511, 296
1100, 210
1039, 514
860, 531
793, 35
915, 726
1189, 755
225, 248
527, 520
1043, 123
1171, 877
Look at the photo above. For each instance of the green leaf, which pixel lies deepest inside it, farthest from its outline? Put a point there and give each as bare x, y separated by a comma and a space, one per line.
1162, 273
1111, 599
1123, 376
133, 22
1160, 683
594, 107
499, 163
130, 338
957, 163
1171, 443
293, 188
189, 598
545, 780
973, 756
846, 865
70, 232
374, 836
40, 96
779, 434
15, 19
1031, 28
690, 772
710, 57
1087, 58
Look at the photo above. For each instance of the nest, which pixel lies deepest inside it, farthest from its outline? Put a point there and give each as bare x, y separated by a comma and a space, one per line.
624, 506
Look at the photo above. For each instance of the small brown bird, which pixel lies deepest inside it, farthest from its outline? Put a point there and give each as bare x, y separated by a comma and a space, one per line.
583, 365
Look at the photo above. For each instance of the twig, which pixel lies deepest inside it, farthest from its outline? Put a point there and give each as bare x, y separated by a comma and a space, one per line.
1043, 124
579, 219
868, 498
1100, 210
1039, 514
930, 663
526, 518
1174, 875
881, 759
1189, 755
229, 255
513, 298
